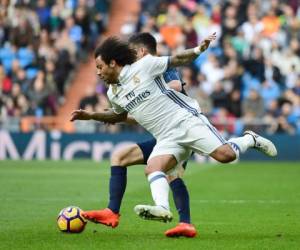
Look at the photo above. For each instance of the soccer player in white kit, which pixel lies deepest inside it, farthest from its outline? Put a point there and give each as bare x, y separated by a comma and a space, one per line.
138, 154
175, 120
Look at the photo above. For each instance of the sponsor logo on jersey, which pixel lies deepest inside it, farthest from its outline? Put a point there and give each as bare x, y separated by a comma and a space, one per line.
137, 100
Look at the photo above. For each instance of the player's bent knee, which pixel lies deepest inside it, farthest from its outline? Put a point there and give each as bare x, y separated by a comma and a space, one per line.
225, 154
228, 156
171, 178
148, 171
151, 169
118, 158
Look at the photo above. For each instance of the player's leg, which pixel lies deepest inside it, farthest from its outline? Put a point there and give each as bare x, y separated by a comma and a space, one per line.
213, 144
182, 203
127, 156
231, 151
180, 194
181, 200
178, 188
252, 140
155, 171
164, 158
120, 160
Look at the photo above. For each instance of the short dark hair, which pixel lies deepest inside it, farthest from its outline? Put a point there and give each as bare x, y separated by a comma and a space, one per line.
115, 49
145, 39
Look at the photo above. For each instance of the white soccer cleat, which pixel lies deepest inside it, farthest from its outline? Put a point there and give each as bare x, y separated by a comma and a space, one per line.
157, 213
262, 144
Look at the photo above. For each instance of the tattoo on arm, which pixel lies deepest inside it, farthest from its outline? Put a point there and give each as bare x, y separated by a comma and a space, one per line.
108, 116
183, 58
187, 56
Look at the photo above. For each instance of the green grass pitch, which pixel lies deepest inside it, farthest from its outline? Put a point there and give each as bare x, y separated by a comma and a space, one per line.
242, 206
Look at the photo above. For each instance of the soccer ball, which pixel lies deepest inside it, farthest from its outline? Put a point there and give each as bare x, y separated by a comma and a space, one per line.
70, 220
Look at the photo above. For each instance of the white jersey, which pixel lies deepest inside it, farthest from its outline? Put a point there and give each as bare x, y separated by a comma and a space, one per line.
143, 93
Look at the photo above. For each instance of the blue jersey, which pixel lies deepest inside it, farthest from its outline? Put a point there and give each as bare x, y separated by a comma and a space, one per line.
172, 74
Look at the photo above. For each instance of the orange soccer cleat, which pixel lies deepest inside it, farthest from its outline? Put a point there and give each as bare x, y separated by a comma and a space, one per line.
104, 216
182, 229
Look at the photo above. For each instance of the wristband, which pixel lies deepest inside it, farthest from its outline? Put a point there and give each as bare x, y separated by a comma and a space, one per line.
197, 50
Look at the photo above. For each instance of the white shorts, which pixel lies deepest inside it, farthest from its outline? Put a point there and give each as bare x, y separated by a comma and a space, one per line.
193, 134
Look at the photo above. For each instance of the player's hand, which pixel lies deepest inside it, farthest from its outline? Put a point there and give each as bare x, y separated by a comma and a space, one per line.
80, 115
205, 43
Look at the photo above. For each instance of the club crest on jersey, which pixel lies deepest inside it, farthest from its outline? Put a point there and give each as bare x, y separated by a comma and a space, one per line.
136, 80
114, 89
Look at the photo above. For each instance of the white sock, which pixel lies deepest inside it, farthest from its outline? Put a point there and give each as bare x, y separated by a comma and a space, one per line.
159, 188
243, 143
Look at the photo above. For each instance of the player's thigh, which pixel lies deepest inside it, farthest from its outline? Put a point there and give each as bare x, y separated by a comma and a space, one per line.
203, 138
165, 156
211, 142
127, 156
224, 154
161, 163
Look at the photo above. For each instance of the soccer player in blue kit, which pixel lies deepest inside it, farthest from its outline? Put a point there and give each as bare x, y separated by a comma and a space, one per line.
175, 120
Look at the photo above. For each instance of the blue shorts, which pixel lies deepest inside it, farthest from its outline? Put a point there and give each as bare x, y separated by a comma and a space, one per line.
147, 147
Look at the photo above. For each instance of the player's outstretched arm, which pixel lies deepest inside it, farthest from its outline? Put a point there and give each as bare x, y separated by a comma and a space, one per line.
189, 55
107, 116
130, 120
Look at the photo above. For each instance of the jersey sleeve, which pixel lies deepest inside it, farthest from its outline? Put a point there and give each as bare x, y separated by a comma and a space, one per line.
115, 107
156, 65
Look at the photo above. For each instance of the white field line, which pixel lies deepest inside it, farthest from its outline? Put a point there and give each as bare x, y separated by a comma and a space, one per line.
88, 199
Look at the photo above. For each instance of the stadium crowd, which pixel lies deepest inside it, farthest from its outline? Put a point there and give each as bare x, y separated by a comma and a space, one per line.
41, 44
249, 78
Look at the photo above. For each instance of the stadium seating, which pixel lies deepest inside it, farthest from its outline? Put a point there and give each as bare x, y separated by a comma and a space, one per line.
257, 50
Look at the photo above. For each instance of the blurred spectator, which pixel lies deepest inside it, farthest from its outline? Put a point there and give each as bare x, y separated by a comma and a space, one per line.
271, 24
46, 50
296, 88
205, 102
234, 103
43, 11
5, 82
212, 70
287, 120
251, 28
253, 104
190, 34
255, 64
90, 99
171, 29
223, 120
269, 91
250, 73
23, 34
40, 44
38, 92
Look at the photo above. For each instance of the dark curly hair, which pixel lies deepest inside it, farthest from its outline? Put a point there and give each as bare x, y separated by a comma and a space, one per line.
115, 49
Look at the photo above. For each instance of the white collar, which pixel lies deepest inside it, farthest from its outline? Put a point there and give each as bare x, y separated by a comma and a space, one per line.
123, 72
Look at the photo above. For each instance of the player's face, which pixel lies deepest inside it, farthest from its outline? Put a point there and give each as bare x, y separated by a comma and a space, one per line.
107, 72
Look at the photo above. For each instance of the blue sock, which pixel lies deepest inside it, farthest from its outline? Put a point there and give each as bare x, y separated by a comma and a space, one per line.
181, 199
117, 186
